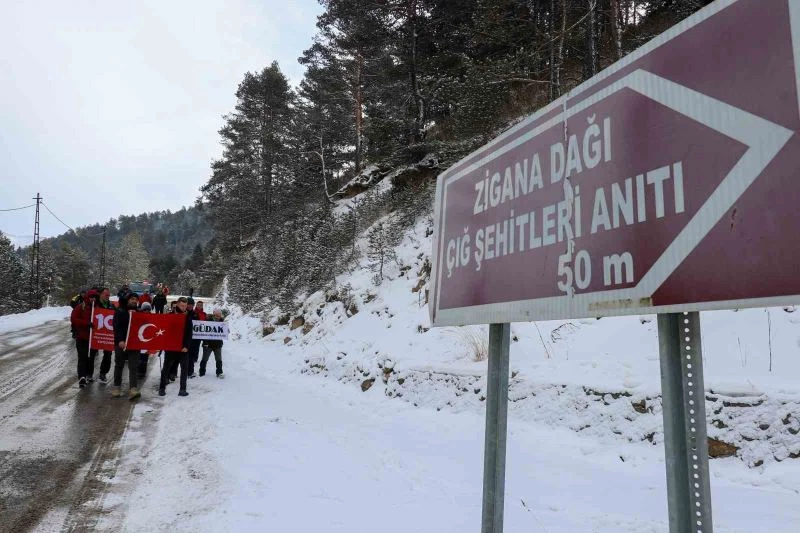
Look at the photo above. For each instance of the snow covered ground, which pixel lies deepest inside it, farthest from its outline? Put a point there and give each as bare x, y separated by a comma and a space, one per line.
289, 442
270, 449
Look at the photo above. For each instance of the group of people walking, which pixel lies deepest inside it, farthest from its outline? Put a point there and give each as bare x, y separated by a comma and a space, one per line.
128, 301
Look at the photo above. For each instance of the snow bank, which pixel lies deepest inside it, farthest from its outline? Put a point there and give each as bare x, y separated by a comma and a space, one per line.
36, 317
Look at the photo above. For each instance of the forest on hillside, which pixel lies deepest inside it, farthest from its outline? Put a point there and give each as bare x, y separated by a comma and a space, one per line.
176, 248
397, 88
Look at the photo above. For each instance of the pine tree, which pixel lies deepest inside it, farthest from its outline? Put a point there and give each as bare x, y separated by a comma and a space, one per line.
129, 261
186, 283
12, 274
244, 193
381, 242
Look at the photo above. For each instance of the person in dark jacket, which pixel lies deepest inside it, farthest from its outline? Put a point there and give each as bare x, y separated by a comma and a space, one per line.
122, 291
194, 351
102, 301
182, 356
81, 321
127, 304
160, 301
144, 355
215, 346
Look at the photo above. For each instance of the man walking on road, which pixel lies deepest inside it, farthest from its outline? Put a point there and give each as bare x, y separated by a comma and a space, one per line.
129, 303
215, 346
81, 322
103, 301
160, 301
182, 357
194, 350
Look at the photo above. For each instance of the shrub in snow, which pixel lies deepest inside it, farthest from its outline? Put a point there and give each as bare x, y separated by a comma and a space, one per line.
381, 243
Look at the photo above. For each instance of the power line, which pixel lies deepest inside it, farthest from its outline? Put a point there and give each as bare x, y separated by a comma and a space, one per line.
70, 227
56, 217
18, 208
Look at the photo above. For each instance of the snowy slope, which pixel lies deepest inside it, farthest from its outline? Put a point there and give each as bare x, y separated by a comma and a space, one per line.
586, 375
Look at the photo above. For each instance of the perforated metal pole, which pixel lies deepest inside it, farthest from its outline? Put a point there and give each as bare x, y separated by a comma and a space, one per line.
494, 455
683, 399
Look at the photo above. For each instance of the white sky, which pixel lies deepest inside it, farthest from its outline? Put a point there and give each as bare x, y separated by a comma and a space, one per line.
113, 107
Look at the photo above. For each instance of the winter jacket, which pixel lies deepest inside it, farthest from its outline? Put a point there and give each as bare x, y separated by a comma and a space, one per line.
214, 343
121, 321
160, 301
104, 305
187, 329
81, 321
145, 298
200, 315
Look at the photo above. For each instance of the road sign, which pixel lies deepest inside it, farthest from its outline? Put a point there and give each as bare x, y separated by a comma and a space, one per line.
668, 182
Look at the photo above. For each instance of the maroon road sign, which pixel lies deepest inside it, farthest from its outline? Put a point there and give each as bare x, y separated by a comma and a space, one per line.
668, 182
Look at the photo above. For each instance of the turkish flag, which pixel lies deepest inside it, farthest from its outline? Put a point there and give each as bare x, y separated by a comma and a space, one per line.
156, 332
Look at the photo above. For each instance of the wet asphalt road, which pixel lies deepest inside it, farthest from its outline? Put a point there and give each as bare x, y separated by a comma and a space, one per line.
58, 443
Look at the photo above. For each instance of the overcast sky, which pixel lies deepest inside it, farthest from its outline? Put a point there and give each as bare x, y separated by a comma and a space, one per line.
113, 107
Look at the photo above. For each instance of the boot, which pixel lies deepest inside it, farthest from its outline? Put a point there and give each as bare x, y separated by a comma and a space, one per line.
183, 393
116, 391
134, 394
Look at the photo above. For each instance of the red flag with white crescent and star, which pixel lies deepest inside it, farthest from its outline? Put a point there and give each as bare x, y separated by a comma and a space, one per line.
156, 332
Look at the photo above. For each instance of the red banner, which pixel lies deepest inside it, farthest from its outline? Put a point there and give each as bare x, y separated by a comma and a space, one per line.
148, 331
102, 335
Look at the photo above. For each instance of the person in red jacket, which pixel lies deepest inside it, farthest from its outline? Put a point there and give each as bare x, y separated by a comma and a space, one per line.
81, 321
145, 298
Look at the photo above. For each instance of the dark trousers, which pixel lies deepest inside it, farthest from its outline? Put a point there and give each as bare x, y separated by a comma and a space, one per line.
159, 309
143, 357
217, 357
194, 355
172, 358
105, 363
126, 356
82, 346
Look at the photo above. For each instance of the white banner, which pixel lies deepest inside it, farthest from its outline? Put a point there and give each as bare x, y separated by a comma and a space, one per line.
208, 330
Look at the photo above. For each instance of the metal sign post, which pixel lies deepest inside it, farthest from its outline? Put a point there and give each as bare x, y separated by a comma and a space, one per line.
683, 400
494, 458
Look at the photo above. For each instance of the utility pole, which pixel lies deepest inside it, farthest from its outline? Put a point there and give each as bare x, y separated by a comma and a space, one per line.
103, 260
35, 301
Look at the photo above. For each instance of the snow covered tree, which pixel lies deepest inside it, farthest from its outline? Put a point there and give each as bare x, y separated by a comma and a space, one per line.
12, 274
64, 272
382, 240
244, 195
186, 283
129, 261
